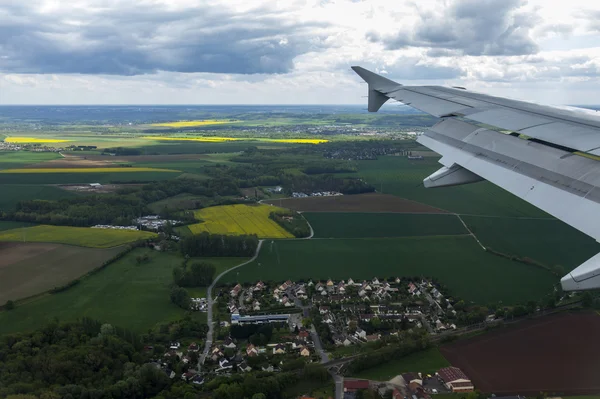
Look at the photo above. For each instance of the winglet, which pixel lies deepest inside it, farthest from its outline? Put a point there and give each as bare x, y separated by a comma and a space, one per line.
378, 86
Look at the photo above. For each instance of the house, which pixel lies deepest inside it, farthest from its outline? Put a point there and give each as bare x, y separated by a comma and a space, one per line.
174, 345
236, 290
303, 335
259, 286
324, 293
228, 343
186, 359
362, 293
412, 377
305, 352
346, 342
372, 338
288, 304
367, 287
298, 344
188, 376
360, 333
251, 351
170, 373
329, 283
310, 283
355, 385
412, 288
319, 287
198, 380
255, 305
350, 281
397, 280
279, 349
194, 347
270, 368
323, 309
224, 364
341, 289
375, 281
243, 366
455, 379
396, 394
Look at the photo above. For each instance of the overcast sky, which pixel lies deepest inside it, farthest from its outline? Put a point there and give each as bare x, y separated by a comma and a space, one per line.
294, 51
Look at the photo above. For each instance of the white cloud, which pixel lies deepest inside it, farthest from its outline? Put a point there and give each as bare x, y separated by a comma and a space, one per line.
161, 51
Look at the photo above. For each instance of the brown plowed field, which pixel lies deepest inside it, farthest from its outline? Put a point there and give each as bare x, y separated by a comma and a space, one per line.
372, 202
28, 269
558, 354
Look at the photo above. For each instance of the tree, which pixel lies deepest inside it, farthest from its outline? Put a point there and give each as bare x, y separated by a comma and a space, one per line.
107, 330
587, 299
10, 305
306, 322
180, 297
259, 396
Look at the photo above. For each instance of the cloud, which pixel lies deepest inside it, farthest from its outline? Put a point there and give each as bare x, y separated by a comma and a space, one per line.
130, 38
468, 27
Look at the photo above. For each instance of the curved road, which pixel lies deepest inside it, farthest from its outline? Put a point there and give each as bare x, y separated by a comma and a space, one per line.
209, 335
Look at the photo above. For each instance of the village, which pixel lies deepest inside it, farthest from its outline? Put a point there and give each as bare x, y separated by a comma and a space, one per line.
274, 327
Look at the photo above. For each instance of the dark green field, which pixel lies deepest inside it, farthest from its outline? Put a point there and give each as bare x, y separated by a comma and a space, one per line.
427, 362
13, 193
8, 225
357, 225
94, 177
191, 147
18, 159
458, 262
124, 294
551, 242
404, 178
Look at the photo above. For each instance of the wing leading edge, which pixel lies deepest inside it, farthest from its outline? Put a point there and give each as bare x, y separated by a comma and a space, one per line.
555, 169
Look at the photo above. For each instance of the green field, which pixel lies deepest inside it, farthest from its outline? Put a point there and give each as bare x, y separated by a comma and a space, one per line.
80, 236
124, 294
550, 242
11, 194
457, 261
17, 159
357, 225
427, 362
8, 225
92, 177
404, 178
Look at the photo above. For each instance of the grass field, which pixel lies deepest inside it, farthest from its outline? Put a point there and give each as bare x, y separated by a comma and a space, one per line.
85, 170
12, 194
124, 294
427, 362
32, 140
14, 159
550, 242
80, 236
28, 269
97, 176
357, 225
8, 225
239, 219
403, 177
457, 261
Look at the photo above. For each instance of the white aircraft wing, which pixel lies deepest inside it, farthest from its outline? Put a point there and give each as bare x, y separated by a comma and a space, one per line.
548, 156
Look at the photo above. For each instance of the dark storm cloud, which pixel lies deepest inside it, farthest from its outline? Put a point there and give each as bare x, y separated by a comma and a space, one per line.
128, 39
469, 27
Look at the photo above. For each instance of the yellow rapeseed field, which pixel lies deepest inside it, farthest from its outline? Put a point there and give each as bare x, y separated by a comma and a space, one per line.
27, 140
239, 219
81, 236
216, 139
192, 123
85, 170
210, 139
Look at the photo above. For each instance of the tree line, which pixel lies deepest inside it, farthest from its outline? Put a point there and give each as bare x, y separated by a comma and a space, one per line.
205, 244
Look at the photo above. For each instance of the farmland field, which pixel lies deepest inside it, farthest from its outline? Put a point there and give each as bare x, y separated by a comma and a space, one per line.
456, 261
239, 219
28, 269
404, 178
550, 242
13, 193
124, 294
80, 236
357, 225
427, 362
8, 225
100, 175
526, 356
84, 170
13, 159
372, 202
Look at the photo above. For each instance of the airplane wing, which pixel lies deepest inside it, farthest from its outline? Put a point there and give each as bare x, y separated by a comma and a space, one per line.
548, 156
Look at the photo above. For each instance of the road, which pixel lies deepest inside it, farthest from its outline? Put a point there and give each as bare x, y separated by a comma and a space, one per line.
209, 315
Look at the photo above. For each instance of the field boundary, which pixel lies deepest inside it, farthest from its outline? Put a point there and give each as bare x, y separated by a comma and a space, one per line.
56, 290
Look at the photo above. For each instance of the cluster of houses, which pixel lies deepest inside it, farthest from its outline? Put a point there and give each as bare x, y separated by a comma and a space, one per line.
229, 357
257, 298
110, 226
154, 222
199, 304
316, 194
178, 354
414, 385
